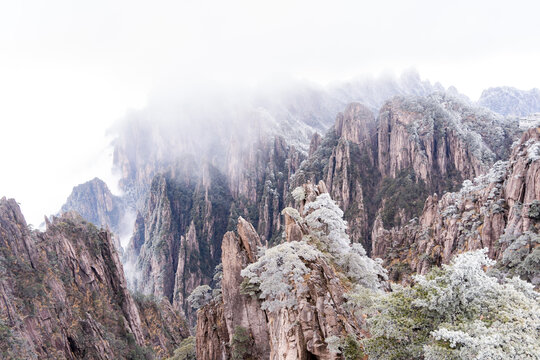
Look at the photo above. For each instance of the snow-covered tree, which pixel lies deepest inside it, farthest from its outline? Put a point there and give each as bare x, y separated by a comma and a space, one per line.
457, 312
200, 296
325, 220
279, 271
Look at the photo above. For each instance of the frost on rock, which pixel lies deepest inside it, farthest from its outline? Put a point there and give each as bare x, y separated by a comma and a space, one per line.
533, 151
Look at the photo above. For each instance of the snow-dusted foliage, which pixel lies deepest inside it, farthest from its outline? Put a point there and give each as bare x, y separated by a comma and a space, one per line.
334, 342
487, 136
457, 312
200, 296
325, 220
533, 151
298, 194
496, 174
279, 272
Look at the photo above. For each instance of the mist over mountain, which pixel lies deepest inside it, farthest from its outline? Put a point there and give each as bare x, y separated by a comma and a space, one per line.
508, 100
246, 214
284, 180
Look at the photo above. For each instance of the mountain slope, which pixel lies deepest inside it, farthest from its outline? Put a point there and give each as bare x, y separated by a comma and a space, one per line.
498, 210
63, 295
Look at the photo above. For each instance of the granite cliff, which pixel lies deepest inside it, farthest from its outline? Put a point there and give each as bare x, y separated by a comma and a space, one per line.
497, 210
63, 295
301, 320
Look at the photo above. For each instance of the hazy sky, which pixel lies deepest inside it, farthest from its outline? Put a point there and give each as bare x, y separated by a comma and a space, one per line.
69, 69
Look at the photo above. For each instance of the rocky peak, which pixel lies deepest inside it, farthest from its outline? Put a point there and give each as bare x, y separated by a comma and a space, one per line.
356, 124
63, 294
234, 311
497, 211
95, 203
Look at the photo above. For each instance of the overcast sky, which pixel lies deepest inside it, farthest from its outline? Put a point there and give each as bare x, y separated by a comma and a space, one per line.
69, 69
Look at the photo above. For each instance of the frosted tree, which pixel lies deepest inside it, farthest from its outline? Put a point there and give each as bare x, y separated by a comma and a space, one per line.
457, 312
200, 296
279, 272
325, 220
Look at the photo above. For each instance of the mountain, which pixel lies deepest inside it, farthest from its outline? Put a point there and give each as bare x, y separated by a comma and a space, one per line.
96, 204
510, 101
259, 315
389, 164
497, 210
63, 295
225, 125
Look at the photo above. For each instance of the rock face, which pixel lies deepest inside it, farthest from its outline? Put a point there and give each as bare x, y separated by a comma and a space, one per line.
511, 101
95, 203
234, 310
177, 242
389, 166
495, 211
177, 239
63, 295
236, 324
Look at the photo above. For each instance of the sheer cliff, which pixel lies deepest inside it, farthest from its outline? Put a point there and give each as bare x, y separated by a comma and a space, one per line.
63, 295
387, 166
289, 301
497, 210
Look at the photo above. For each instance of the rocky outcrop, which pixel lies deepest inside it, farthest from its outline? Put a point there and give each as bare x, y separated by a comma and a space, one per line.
63, 295
416, 147
243, 329
187, 275
440, 138
235, 310
351, 168
95, 203
493, 211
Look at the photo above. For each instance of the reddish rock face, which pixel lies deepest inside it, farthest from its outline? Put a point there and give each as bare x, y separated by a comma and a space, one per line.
492, 211
295, 333
63, 294
417, 146
96, 204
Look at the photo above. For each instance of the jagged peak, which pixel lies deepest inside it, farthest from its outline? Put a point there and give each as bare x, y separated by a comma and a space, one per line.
356, 124
249, 238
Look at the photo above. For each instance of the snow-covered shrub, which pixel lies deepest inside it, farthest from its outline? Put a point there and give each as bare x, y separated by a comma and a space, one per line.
200, 296
534, 210
298, 194
533, 152
457, 312
279, 272
334, 342
325, 220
